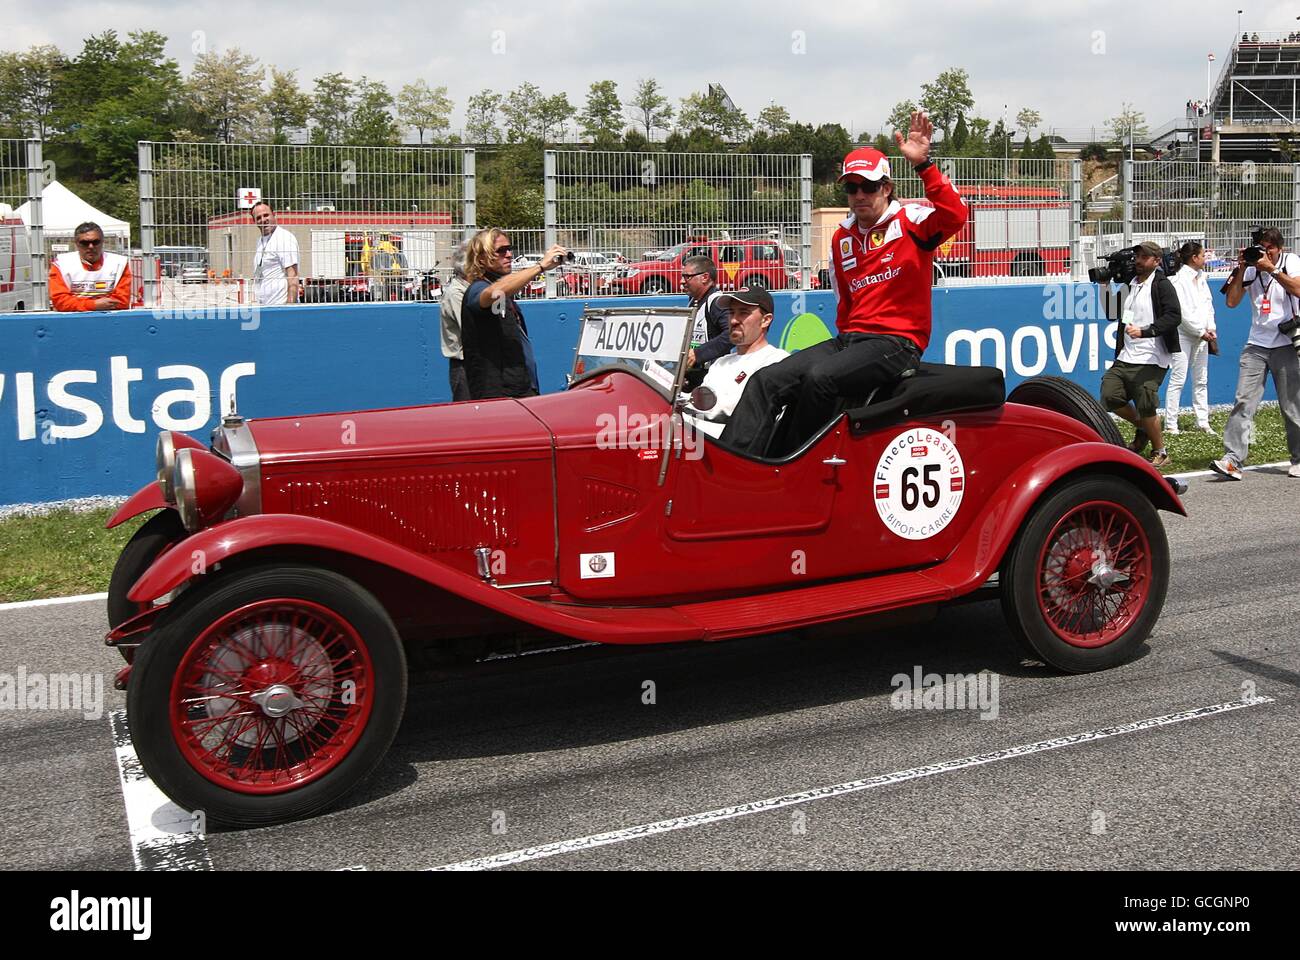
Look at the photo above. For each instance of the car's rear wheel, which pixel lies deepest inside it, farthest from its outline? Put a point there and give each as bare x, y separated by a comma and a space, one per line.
155, 535
1064, 396
757, 280
267, 696
655, 285
1085, 581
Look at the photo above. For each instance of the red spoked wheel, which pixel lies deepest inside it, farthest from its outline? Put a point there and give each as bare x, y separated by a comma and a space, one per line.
1085, 581
1095, 574
272, 696
267, 695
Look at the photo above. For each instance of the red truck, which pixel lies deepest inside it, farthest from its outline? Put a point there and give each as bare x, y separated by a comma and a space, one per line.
1013, 231
740, 263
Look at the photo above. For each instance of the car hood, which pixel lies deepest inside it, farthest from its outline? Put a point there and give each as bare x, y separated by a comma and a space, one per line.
474, 428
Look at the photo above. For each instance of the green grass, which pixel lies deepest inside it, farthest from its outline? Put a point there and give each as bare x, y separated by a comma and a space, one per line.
65, 553
60, 554
1194, 451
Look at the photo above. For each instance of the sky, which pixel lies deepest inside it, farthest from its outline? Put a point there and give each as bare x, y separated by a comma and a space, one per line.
1075, 62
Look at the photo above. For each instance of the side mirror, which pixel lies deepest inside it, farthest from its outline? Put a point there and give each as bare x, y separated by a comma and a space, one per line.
703, 398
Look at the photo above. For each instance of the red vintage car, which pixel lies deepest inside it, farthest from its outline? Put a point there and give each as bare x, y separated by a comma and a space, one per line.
269, 609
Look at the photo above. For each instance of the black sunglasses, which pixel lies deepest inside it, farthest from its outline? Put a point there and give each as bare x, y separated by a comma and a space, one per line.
691, 276
506, 249
866, 186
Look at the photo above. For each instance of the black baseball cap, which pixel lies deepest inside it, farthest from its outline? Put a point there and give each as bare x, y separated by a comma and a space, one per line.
754, 296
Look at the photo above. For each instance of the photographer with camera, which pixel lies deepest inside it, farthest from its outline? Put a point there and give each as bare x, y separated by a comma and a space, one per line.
1196, 336
1272, 278
1145, 343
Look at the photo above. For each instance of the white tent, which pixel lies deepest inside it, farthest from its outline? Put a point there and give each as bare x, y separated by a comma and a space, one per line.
63, 211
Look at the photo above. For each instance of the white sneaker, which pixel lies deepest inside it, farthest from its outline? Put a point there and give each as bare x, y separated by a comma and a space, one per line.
1294, 471
1170, 431
1226, 468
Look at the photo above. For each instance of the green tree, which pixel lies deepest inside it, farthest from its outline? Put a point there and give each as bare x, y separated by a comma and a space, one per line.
552, 114
225, 90
481, 112
900, 118
960, 134
650, 108
28, 82
519, 111
1129, 122
602, 117
424, 108
999, 141
331, 108
371, 121
1045, 151
284, 107
947, 98
710, 112
774, 119
1027, 121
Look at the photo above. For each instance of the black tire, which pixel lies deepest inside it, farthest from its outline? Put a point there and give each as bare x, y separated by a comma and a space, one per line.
1139, 599
161, 658
1065, 396
655, 286
757, 280
156, 534
1027, 264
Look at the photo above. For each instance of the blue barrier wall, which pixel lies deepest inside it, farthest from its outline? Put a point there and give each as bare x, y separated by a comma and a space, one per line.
83, 396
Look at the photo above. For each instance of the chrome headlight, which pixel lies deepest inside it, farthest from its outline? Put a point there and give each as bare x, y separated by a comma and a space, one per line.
206, 487
166, 464
183, 490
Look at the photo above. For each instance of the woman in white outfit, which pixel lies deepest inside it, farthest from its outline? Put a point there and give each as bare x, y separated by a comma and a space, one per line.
1195, 335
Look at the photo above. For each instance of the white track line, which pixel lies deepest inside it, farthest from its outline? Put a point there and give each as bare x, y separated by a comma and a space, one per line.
51, 601
162, 834
837, 790
1211, 473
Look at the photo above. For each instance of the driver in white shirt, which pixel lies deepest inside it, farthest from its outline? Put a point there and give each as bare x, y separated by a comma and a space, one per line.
751, 316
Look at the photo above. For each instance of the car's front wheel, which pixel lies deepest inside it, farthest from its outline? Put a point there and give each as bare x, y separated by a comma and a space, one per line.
268, 695
1085, 581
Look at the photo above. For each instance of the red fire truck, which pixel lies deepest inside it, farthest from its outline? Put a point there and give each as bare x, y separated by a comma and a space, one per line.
1015, 231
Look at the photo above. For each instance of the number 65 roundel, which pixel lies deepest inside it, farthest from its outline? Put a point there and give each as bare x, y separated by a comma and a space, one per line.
918, 483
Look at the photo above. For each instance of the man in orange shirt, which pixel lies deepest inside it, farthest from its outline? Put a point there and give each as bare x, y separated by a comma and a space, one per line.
88, 278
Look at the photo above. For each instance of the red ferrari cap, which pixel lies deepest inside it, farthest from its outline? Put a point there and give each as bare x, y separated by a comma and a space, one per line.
866, 162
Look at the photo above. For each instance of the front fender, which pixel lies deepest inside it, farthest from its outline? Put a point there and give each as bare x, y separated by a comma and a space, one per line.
992, 532
223, 541
149, 497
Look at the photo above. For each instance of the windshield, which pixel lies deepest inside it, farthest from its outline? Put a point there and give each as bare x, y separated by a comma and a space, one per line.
650, 340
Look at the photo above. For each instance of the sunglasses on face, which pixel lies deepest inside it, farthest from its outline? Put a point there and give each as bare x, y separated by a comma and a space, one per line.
90, 243
866, 186
501, 251
691, 276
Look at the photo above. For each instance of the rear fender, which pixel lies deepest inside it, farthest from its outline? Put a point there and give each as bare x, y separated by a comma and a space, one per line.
149, 497
991, 534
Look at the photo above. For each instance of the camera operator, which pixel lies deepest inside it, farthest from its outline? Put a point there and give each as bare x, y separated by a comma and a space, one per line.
1272, 278
1196, 336
1145, 343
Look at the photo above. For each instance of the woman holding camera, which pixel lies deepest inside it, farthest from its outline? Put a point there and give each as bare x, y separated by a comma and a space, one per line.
1197, 337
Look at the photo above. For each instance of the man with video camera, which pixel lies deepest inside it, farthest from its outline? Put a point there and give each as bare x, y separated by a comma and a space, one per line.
1145, 344
1272, 278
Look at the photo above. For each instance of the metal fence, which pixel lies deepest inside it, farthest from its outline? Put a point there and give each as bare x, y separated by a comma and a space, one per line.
630, 214
369, 222
23, 261
1216, 204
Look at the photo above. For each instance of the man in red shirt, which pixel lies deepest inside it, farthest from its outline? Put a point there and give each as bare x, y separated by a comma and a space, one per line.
882, 261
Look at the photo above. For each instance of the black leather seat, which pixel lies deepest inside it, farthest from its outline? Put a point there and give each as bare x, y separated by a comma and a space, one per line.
931, 390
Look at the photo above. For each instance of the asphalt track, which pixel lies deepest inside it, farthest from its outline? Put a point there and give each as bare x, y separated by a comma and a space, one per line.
525, 766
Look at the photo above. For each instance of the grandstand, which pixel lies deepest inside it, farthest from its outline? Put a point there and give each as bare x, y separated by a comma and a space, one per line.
1256, 100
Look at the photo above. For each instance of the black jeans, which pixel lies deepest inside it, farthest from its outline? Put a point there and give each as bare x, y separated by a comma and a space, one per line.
457, 379
810, 384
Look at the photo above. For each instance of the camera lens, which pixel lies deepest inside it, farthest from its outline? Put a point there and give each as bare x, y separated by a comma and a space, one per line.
568, 257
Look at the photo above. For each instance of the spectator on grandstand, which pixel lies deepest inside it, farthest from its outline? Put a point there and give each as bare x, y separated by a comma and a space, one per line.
275, 261
1195, 335
499, 360
1273, 282
1144, 343
449, 315
89, 278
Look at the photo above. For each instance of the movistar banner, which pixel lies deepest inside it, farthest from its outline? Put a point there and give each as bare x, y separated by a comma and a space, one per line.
83, 396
